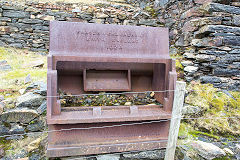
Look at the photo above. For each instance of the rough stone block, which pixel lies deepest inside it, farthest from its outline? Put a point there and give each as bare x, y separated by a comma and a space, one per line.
217, 7
232, 40
16, 14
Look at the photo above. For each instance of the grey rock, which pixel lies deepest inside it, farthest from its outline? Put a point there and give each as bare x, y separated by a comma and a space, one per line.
157, 154
9, 7
19, 36
108, 157
16, 14
37, 45
2, 43
235, 51
28, 79
190, 69
161, 3
16, 45
32, 21
16, 129
187, 63
216, 28
40, 27
226, 72
8, 40
191, 110
1, 98
37, 87
212, 52
38, 63
205, 58
231, 40
236, 20
2, 106
37, 125
210, 79
30, 100
4, 66
3, 130
86, 16
5, 19
207, 150
42, 107
189, 55
147, 22
217, 7
22, 115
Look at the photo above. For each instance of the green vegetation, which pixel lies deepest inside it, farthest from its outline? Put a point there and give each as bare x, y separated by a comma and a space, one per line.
19, 60
220, 112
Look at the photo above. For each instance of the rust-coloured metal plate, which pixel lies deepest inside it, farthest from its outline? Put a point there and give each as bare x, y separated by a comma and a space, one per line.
93, 57
105, 80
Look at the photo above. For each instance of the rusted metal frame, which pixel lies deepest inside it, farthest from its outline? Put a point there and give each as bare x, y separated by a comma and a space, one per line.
132, 113
52, 90
106, 138
71, 58
101, 149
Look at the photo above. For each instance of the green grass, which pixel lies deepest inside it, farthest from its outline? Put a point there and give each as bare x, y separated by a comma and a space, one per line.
19, 59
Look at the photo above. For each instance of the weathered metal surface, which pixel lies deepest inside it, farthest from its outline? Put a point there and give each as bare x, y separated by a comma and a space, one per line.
94, 57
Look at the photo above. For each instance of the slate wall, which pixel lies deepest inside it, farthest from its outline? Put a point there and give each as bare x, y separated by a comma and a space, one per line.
204, 33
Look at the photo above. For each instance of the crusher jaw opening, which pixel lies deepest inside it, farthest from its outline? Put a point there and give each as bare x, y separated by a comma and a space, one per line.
87, 59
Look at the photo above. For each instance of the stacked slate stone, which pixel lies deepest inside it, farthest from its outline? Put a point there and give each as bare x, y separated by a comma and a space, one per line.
208, 37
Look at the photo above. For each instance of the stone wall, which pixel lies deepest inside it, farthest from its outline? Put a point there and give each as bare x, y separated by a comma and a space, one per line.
205, 32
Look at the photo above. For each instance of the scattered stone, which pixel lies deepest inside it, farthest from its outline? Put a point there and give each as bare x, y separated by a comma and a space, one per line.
21, 91
30, 100
207, 150
4, 66
28, 79
22, 115
108, 157
157, 154
228, 151
190, 69
38, 63
38, 88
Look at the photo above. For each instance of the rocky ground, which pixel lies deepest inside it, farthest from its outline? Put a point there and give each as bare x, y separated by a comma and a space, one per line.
105, 99
23, 111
